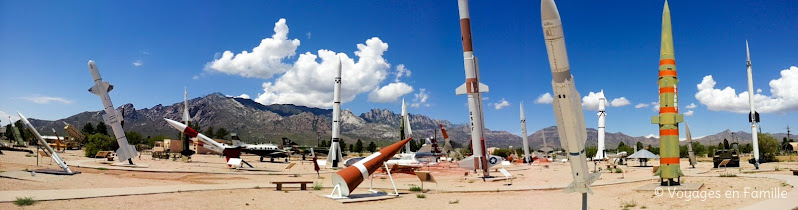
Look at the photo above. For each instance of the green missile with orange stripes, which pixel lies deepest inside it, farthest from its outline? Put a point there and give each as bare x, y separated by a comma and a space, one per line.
669, 117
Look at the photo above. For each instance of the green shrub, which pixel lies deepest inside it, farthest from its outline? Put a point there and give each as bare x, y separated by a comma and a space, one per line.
99, 142
317, 186
414, 188
26, 201
422, 196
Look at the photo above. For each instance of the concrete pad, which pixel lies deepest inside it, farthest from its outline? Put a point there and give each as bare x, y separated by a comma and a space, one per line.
54, 172
353, 198
682, 187
25, 175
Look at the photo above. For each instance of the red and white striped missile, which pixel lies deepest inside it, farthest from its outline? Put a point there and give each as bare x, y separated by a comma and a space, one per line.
350, 177
220, 148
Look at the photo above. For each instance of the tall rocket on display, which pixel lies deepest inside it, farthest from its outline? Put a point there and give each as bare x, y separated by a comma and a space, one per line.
567, 102
111, 116
186, 151
524, 140
753, 116
474, 89
404, 127
602, 115
669, 117
335, 156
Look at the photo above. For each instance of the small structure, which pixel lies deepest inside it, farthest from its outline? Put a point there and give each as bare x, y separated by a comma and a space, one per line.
643, 155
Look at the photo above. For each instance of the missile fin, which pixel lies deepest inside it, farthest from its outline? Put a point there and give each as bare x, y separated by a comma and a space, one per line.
461, 90
483, 88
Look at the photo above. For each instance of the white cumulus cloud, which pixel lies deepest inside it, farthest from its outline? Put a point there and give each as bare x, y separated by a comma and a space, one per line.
390, 92
401, 71
244, 96
689, 113
544, 99
420, 98
619, 102
501, 104
46, 99
138, 63
591, 100
264, 61
784, 96
691, 106
641, 105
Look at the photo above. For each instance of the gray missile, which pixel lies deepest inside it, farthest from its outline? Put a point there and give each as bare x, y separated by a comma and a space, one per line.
111, 116
567, 101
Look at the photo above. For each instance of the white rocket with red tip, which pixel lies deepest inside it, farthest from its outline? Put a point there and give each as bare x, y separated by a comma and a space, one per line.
226, 150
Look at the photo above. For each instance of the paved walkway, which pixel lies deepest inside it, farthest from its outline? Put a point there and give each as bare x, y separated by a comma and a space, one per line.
790, 202
44, 195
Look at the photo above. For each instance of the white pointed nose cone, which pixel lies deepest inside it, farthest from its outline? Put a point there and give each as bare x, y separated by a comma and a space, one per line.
177, 125
548, 10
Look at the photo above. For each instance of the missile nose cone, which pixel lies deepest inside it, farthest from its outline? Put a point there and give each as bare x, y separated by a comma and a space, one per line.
548, 10
175, 124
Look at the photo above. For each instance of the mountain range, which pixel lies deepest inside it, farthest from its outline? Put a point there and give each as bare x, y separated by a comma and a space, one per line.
255, 122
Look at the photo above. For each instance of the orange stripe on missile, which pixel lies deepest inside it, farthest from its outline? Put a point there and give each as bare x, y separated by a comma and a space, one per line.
667, 62
663, 110
667, 90
669, 132
664, 73
673, 160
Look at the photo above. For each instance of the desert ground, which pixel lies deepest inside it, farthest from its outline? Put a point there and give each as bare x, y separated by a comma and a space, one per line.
206, 182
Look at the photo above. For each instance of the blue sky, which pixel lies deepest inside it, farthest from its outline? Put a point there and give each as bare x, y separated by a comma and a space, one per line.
150, 49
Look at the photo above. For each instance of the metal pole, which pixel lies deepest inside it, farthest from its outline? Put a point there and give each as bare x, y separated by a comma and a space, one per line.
584, 201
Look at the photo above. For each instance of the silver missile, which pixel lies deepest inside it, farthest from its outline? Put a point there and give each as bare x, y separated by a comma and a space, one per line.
567, 101
111, 116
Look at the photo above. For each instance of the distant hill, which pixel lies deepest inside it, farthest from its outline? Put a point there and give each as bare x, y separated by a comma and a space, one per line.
255, 122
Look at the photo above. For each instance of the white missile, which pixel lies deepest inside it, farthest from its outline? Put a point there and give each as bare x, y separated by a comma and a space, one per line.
567, 101
185, 105
190, 132
753, 116
474, 89
335, 156
406, 120
111, 116
44, 144
523, 135
690, 153
602, 114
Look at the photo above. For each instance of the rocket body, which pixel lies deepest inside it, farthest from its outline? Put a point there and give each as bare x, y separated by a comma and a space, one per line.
405, 130
335, 156
350, 177
111, 117
474, 89
690, 153
44, 144
447, 146
567, 101
602, 115
190, 132
753, 116
669, 117
524, 139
